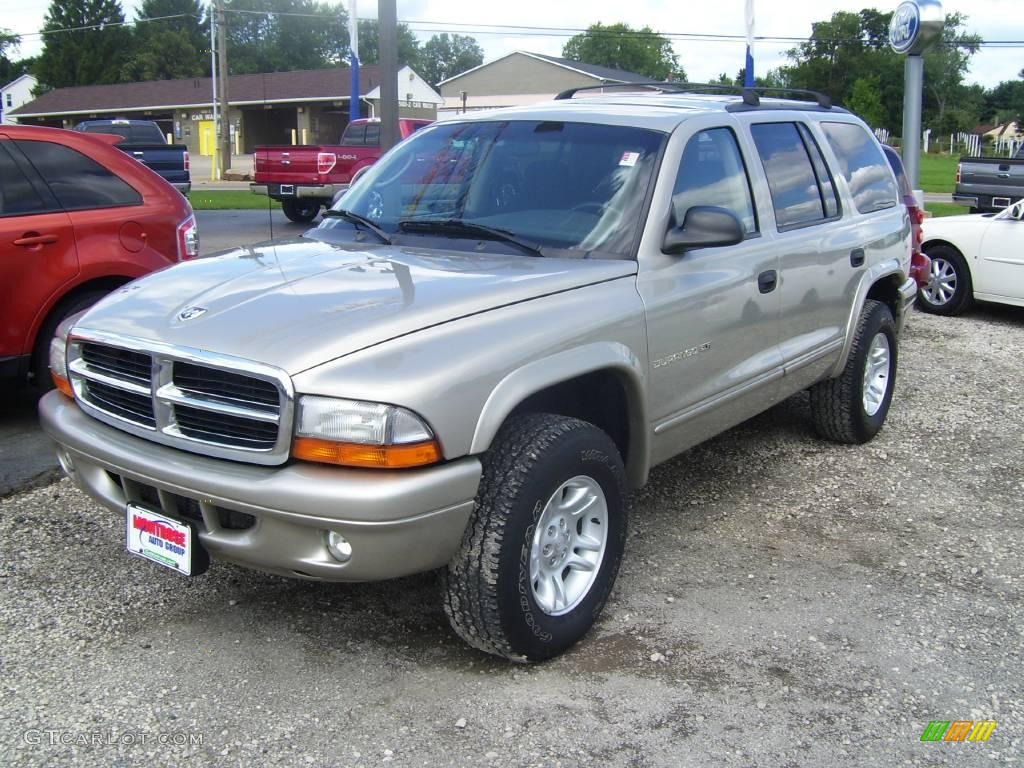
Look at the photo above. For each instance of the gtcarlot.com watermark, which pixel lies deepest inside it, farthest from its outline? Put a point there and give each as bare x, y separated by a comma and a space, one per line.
52, 737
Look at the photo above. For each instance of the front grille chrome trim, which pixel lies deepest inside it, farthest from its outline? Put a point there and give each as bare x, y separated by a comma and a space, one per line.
165, 395
79, 367
172, 394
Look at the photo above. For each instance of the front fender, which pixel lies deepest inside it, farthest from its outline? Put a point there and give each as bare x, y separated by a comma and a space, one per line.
568, 364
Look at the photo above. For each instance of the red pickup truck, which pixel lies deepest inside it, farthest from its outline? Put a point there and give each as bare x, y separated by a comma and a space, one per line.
304, 177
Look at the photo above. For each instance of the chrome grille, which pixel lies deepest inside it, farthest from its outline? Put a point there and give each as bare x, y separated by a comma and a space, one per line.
225, 386
191, 399
135, 366
219, 427
126, 405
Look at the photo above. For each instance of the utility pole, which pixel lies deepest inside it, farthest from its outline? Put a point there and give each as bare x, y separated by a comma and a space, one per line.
224, 137
215, 168
388, 15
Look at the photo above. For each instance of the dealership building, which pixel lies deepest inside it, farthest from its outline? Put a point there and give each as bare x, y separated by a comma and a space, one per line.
306, 107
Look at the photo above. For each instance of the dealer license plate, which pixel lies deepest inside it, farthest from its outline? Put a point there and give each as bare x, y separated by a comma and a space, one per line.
161, 539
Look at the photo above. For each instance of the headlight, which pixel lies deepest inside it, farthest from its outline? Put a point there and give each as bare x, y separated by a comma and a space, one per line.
59, 358
360, 434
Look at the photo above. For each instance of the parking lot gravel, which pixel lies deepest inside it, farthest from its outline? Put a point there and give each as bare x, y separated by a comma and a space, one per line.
783, 602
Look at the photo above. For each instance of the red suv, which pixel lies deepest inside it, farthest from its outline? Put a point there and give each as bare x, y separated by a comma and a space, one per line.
78, 218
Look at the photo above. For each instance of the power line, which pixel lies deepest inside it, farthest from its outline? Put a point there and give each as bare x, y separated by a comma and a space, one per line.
524, 30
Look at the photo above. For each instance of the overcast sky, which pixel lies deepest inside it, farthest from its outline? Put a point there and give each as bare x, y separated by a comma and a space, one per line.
992, 19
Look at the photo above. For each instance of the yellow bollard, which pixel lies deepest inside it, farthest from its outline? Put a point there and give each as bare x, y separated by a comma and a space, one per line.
294, 141
304, 136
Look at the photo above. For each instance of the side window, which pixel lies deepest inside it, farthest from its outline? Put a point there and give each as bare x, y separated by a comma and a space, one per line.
863, 166
796, 195
77, 181
355, 135
372, 134
711, 172
826, 185
17, 196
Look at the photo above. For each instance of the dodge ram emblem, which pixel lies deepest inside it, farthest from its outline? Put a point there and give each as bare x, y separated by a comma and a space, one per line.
191, 313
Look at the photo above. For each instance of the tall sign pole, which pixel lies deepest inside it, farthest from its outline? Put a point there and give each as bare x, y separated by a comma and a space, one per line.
748, 70
388, 14
916, 25
353, 61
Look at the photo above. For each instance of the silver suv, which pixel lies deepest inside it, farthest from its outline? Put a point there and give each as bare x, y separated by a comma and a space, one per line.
487, 345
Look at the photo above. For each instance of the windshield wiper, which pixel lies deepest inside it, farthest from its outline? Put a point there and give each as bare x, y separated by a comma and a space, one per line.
355, 218
462, 227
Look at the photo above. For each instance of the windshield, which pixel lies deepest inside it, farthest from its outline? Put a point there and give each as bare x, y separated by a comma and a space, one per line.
557, 185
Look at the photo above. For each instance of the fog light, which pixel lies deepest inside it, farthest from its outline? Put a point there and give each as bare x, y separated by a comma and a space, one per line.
339, 547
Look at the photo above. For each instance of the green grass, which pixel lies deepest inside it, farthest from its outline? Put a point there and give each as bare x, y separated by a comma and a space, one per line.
937, 173
945, 209
228, 200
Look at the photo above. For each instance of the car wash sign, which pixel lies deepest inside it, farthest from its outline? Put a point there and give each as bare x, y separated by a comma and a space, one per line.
915, 26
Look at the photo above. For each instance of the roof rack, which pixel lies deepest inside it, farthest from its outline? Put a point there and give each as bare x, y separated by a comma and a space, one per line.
751, 96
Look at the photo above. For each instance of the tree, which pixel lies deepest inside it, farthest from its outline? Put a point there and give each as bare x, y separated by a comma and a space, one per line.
866, 102
85, 56
444, 56
1005, 102
169, 48
8, 42
853, 47
281, 35
945, 67
369, 44
621, 47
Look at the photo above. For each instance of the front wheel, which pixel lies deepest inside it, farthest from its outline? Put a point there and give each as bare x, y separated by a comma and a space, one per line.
948, 290
852, 407
543, 546
300, 211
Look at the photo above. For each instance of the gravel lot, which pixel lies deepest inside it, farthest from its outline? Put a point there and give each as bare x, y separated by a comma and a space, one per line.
805, 605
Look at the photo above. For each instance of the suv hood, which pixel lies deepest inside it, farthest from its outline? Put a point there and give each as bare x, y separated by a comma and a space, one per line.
301, 303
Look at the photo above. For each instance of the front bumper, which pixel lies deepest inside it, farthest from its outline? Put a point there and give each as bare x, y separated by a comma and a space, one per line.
398, 522
301, 191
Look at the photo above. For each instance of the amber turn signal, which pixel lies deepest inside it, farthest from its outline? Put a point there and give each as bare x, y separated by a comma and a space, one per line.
62, 384
371, 456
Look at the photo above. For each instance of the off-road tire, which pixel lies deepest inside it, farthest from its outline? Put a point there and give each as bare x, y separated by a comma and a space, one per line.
486, 588
837, 405
963, 293
41, 352
300, 211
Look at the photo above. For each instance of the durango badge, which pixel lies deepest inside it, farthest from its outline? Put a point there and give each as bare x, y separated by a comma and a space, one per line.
191, 313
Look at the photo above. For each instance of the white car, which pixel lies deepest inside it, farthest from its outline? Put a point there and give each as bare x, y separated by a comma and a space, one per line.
974, 257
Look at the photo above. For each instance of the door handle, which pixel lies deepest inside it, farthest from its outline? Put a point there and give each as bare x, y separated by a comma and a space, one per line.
31, 239
767, 281
857, 257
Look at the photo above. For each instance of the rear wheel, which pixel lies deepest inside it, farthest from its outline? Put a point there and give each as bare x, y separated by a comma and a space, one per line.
852, 407
543, 546
948, 290
300, 211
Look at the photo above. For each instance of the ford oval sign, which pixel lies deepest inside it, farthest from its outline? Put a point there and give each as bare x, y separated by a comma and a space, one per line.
905, 27
915, 25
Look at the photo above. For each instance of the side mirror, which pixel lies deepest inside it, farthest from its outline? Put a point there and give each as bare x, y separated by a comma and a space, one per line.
705, 226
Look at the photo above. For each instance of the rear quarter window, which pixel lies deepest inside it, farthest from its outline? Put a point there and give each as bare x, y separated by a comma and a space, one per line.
863, 165
78, 182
